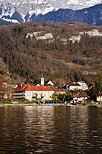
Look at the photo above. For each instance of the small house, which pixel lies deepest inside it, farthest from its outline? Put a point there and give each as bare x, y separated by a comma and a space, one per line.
78, 86
99, 98
80, 96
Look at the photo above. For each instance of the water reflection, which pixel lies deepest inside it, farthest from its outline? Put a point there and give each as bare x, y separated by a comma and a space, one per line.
46, 129
78, 128
39, 127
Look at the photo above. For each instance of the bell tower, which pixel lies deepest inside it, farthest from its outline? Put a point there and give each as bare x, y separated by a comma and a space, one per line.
42, 80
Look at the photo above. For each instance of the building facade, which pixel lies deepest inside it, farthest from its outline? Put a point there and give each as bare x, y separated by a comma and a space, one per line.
80, 96
99, 98
31, 93
78, 86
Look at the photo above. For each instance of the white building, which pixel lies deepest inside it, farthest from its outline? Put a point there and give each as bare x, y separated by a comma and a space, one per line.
83, 85
31, 93
78, 86
99, 98
49, 83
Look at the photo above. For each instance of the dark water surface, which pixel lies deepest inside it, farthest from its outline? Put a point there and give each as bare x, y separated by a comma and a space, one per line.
48, 129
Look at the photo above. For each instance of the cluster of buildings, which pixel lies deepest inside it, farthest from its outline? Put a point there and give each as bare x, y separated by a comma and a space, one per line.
40, 92
77, 90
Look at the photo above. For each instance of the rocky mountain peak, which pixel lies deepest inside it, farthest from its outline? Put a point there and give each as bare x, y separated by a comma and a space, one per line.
11, 10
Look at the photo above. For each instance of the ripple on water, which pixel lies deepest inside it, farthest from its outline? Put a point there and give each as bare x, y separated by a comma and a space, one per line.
47, 129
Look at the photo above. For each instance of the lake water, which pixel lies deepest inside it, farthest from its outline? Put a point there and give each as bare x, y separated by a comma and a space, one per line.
50, 129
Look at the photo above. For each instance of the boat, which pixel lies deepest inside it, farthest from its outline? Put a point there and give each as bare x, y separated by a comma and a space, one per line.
52, 105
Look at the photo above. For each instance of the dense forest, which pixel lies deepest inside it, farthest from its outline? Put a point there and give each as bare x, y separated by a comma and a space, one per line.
59, 59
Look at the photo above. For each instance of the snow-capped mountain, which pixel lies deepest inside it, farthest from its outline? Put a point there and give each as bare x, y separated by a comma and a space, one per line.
23, 10
44, 6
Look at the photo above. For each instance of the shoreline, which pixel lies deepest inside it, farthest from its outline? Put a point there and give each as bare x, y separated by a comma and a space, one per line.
31, 104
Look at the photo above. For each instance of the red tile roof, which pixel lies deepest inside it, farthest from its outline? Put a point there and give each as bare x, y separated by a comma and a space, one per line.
21, 87
80, 94
32, 88
39, 88
60, 90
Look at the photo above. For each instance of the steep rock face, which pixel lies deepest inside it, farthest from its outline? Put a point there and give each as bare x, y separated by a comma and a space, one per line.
44, 6
17, 11
17, 16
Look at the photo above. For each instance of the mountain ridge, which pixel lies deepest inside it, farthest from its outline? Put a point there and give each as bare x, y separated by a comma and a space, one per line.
92, 15
44, 6
42, 10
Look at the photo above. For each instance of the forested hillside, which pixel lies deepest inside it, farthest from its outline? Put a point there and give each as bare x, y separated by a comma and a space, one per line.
59, 59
